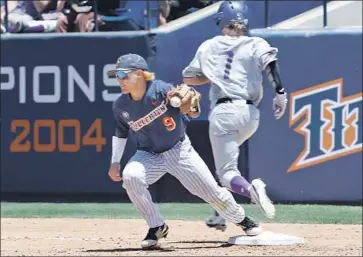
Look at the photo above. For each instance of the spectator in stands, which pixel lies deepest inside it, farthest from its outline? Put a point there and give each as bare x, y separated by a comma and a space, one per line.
23, 14
78, 16
164, 11
11, 7
180, 8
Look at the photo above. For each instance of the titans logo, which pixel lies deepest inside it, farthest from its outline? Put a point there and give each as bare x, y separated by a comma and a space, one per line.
330, 123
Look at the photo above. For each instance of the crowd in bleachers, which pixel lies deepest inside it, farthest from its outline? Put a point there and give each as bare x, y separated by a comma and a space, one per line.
64, 16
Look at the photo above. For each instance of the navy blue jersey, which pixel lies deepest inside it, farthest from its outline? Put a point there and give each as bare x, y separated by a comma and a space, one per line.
156, 125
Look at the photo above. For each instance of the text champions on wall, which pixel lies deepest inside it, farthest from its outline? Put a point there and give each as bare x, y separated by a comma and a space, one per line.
54, 84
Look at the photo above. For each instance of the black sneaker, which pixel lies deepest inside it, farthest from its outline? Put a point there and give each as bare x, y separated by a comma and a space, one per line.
250, 227
216, 222
153, 236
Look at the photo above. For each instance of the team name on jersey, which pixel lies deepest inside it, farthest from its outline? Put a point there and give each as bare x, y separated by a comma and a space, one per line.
148, 118
330, 123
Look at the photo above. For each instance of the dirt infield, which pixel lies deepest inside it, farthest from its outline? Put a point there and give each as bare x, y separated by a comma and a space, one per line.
97, 237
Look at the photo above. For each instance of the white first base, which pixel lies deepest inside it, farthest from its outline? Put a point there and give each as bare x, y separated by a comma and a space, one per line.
266, 238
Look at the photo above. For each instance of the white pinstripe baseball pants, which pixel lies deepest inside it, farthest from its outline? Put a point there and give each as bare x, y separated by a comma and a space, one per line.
185, 164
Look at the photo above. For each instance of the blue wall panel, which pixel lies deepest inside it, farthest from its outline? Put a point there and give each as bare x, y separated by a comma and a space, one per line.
312, 62
306, 58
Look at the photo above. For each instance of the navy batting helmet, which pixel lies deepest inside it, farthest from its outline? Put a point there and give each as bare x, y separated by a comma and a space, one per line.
230, 12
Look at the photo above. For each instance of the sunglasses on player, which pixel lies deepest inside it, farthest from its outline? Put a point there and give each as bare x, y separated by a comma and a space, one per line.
122, 74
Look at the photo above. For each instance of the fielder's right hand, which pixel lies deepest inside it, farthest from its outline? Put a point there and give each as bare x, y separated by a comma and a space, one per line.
114, 172
279, 105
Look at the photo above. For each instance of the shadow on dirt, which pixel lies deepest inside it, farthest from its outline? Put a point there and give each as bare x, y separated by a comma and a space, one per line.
120, 250
198, 242
177, 246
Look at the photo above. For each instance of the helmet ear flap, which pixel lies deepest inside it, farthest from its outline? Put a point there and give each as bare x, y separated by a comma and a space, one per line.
218, 20
245, 22
218, 17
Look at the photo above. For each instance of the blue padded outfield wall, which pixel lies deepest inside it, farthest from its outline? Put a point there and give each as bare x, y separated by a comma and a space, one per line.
56, 111
57, 119
314, 153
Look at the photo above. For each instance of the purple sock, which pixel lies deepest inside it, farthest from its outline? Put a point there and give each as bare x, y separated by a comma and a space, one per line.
34, 29
240, 186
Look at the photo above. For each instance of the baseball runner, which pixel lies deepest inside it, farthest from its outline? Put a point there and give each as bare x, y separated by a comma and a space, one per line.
234, 63
162, 147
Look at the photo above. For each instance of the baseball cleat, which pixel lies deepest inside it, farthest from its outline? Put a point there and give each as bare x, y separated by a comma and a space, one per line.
250, 227
154, 234
259, 196
216, 222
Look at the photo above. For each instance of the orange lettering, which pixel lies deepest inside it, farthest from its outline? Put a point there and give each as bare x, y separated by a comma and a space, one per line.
98, 140
63, 147
17, 145
169, 123
38, 147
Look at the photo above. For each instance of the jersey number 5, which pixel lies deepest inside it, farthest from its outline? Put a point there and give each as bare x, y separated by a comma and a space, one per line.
169, 123
228, 66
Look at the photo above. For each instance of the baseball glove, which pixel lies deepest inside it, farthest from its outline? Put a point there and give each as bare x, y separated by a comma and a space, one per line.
190, 99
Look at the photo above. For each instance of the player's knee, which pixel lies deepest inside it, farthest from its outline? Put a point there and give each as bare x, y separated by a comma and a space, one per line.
133, 175
219, 196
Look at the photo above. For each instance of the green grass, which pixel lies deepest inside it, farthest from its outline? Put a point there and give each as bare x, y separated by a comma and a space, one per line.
317, 214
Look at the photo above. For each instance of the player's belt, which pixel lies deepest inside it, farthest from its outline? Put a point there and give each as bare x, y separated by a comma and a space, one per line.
229, 100
146, 149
